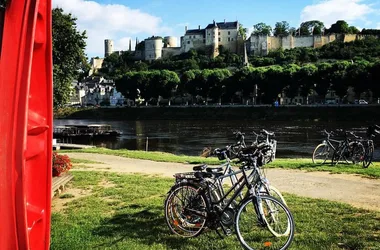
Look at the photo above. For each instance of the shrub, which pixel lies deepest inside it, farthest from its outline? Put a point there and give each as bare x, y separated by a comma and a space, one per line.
61, 164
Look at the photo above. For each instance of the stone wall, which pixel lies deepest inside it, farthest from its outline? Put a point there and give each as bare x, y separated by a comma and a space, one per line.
168, 52
303, 41
261, 45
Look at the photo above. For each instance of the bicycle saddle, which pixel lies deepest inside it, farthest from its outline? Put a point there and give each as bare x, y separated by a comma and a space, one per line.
200, 167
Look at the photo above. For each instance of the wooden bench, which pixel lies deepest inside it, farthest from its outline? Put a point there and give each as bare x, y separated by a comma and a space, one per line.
59, 183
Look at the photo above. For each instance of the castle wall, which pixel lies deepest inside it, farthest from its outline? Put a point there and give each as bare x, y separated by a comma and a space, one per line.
258, 45
96, 64
262, 45
229, 39
274, 43
318, 41
173, 51
287, 42
193, 41
349, 38
303, 41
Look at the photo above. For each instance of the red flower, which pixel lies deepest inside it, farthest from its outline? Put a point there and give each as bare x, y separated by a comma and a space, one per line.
61, 164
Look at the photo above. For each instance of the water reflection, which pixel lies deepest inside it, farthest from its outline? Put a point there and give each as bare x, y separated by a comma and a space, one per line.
295, 139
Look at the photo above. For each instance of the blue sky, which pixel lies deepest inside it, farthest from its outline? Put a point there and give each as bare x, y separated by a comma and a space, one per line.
124, 20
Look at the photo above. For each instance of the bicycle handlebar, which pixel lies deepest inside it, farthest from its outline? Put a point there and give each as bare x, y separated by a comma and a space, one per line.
267, 132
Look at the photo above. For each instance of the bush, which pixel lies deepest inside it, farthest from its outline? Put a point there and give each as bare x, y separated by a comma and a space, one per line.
61, 164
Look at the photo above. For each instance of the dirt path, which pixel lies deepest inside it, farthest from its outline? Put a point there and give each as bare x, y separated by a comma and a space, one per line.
351, 189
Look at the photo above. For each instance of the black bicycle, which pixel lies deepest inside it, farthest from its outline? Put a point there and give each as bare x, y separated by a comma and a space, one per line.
198, 201
368, 144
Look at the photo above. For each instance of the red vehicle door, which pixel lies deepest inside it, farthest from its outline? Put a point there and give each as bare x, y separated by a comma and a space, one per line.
25, 124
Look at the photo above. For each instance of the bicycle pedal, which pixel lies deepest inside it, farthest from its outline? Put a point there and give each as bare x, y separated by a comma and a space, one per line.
228, 232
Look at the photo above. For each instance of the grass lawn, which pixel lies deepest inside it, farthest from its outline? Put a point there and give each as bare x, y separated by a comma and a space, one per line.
123, 211
373, 171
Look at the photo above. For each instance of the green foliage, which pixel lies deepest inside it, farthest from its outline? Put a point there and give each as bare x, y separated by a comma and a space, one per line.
243, 31
148, 84
68, 55
262, 29
340, 27
313, 27
375, 32
281, 29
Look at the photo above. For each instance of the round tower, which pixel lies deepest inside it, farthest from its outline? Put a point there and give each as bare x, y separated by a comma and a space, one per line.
170, 41
108, 47
153, 48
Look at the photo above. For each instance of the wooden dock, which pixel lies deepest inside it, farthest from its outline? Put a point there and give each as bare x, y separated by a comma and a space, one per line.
58, 146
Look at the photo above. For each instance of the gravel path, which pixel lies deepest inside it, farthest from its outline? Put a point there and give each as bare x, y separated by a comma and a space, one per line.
355, 190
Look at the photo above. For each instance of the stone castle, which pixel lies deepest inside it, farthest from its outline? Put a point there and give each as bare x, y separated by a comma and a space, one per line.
215, 34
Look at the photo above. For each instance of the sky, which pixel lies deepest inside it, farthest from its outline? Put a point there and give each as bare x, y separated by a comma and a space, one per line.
130, 19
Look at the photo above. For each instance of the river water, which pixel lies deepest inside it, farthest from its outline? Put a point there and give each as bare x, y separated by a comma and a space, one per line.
295, 139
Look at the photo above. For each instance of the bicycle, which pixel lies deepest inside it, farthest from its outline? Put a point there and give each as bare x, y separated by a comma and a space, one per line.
205, 205
343, 150
348, 150
368, 144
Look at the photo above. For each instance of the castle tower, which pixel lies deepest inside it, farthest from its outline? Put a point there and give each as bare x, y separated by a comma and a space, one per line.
108, 47
153, 48
130, 45
215, 43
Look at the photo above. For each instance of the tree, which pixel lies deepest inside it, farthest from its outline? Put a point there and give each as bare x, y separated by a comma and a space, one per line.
353, 30
262, 29
243, 32
281, 29
340, 27
313, 27
68, 54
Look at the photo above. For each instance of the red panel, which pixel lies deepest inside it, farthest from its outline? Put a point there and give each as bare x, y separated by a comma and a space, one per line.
26, 125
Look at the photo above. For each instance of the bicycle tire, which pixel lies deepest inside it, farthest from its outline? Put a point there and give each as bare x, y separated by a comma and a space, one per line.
321, 153
368, 156
274, 192
181, 222
258, 234
357, 152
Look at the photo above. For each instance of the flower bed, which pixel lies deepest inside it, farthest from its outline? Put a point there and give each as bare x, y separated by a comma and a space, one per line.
61, 164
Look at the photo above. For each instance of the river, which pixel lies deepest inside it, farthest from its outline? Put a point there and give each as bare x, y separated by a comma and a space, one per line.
295, 139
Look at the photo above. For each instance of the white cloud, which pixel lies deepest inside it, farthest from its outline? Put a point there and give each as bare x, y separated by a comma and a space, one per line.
329, 11
111, 21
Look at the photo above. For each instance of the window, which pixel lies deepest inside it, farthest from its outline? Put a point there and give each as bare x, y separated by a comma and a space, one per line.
204, 40
188, 42
229, 32
219, 33
232, 39
229, 39
194, 36
219, 39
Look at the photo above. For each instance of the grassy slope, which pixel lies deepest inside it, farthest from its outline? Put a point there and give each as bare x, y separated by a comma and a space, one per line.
128, 214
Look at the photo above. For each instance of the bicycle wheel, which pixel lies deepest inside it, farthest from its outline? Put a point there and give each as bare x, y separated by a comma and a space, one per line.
185, 211
357, 152
274, 192
268, 224
321, 154
367, 160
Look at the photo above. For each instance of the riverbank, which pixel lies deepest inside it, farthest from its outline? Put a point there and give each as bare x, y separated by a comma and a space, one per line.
365, 113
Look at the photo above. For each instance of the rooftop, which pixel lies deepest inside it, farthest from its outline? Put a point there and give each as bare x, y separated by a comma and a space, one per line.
224, 25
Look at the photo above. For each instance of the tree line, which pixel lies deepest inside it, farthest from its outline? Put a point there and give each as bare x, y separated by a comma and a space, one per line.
263, 83
313, 27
